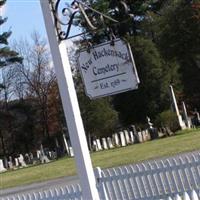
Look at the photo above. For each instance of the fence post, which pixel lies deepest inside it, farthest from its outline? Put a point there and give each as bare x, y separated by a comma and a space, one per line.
194, 195
186, 196
100, 186
177, 197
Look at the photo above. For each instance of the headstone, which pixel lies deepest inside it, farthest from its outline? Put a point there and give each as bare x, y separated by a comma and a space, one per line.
140, 138
143, 136
127, 137
116, 139
71, 152
186, 118
132, 137
16, 162
38, 152
10, 164
27, 158
42, 150
2, 168
122, 138
43, 158
148, 134
5, 160
94, 145
109, 141
133, 128
196, 118
21, 160
104, 143
89, 141
154, 133
31, 158
98, 144
52, 155
168, 131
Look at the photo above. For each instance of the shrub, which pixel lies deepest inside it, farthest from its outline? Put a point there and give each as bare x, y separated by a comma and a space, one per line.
168, 119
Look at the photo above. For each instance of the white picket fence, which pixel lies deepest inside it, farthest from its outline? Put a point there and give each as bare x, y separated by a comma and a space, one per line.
151, 180
72, 192
185, 196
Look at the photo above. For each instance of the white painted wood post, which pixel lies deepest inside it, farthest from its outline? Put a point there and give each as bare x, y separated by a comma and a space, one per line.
194, 195
71, 107
177, 197
186, 196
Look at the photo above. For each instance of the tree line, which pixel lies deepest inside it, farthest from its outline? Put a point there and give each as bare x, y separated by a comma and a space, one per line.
164, 37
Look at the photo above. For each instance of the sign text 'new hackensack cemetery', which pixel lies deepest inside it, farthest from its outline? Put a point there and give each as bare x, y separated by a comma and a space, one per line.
108, 69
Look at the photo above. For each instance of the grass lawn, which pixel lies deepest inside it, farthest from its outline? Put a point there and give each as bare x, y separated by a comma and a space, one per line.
184, 141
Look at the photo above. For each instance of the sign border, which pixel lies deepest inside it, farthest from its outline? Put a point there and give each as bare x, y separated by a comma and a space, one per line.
134, 70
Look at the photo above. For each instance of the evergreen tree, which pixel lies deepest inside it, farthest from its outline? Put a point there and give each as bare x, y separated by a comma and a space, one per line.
155, 73
7, 56
99, 116
178, 38
152, 95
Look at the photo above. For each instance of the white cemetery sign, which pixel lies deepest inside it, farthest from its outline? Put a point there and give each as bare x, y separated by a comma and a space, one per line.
108, 69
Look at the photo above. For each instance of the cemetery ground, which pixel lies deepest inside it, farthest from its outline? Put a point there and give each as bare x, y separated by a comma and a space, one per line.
182, 141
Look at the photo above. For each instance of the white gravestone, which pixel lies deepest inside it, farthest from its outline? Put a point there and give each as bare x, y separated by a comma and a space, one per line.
132, 138
127, 137
104, 143
38, 154
122, 138
71, 152
144, 136
16, 162
10, 164
109, 141
140, 139
50, 154
116, 139
94, 145
148, 137
21, 160
2, 168
99, 144
43, 157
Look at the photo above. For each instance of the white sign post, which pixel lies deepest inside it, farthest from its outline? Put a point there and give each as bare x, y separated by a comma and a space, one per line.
108, 69
71, 107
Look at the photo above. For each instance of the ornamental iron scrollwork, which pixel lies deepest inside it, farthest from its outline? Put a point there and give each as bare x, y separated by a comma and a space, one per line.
65, 17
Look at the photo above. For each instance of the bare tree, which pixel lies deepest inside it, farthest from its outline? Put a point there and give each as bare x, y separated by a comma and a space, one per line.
35, 76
